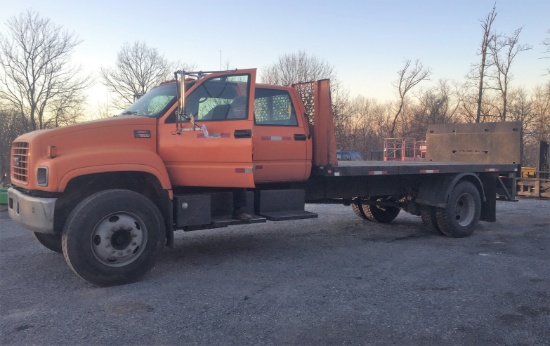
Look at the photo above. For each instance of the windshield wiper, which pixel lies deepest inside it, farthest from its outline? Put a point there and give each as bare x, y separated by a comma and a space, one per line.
129, 113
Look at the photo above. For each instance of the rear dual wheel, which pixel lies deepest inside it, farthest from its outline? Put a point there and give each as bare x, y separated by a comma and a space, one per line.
463, 209
357, 208
373, 212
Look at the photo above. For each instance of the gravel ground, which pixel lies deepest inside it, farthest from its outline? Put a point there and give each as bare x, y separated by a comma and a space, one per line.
332, 280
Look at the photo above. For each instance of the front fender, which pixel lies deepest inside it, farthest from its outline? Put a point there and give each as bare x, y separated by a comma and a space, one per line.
114, 161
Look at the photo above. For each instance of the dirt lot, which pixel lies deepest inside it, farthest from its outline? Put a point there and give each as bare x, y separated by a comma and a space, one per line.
332, 280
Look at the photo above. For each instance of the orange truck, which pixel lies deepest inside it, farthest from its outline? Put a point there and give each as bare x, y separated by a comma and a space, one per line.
109, 194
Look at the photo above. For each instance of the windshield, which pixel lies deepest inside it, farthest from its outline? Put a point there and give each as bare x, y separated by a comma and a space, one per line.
154, 103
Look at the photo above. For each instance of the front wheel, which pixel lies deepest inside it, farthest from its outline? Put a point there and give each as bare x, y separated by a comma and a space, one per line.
113, 237
461, 214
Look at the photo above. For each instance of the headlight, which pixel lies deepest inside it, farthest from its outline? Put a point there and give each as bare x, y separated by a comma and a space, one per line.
42, 176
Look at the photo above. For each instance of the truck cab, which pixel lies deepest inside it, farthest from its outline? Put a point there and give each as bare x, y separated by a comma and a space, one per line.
174, 157
242, 134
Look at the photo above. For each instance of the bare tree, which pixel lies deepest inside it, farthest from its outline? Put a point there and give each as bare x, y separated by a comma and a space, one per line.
541, 109
520, 108
467, 104
66, 110
102, 111
504, 50
10, 128
488, 37
546, 44
301, 67
35, 69
297, 68
435, 105
539, 124
138, 68
408, 77
366, 126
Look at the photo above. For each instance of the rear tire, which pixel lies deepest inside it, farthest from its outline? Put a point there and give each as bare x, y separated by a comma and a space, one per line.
375, 213
358, 209
50, 241
429, 218
113, 237
461, 215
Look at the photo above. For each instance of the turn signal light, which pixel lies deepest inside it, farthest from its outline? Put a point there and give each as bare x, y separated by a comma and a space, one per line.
52, 151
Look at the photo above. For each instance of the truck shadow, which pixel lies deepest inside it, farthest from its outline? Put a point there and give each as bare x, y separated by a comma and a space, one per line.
269, 240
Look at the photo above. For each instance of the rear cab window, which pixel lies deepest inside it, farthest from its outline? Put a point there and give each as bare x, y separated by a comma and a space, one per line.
274, 107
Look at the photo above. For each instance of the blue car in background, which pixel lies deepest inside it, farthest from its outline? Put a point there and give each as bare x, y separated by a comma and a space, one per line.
348, 155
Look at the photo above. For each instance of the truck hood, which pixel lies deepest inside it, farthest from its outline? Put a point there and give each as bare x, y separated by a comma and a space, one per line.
89, 126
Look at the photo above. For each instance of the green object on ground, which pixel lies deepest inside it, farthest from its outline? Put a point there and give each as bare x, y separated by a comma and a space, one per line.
3, 195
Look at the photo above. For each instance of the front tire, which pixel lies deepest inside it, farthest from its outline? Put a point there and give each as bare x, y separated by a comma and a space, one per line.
461, 215
113, 237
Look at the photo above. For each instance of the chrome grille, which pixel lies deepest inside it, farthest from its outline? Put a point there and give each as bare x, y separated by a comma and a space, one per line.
20, 161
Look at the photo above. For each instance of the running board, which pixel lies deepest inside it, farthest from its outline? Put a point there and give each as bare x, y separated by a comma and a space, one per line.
289, 215
227, 221
282, 205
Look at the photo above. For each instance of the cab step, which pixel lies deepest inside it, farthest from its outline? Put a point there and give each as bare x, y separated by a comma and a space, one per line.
282, 205
289, 215
228, 221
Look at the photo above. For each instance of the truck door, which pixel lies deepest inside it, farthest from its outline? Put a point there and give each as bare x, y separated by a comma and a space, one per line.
221, 156
282, 145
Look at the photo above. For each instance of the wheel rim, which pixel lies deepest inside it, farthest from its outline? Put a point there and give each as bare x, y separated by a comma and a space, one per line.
119, 239
464, 209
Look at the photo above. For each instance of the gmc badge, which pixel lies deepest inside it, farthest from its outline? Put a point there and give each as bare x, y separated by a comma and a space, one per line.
142, 134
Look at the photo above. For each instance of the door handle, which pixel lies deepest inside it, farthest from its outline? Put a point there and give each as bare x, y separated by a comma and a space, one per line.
243, 134
299, 137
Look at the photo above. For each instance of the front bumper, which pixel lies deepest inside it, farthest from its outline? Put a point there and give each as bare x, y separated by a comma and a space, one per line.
30, 212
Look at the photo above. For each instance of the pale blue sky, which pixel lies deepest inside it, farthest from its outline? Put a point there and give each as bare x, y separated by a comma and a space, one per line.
365, 40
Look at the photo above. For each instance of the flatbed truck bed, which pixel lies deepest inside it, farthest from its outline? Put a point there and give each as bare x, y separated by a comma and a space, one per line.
368, 168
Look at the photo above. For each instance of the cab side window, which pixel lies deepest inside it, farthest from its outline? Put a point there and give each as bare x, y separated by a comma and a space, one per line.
207, 105
219, 98
274, 107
